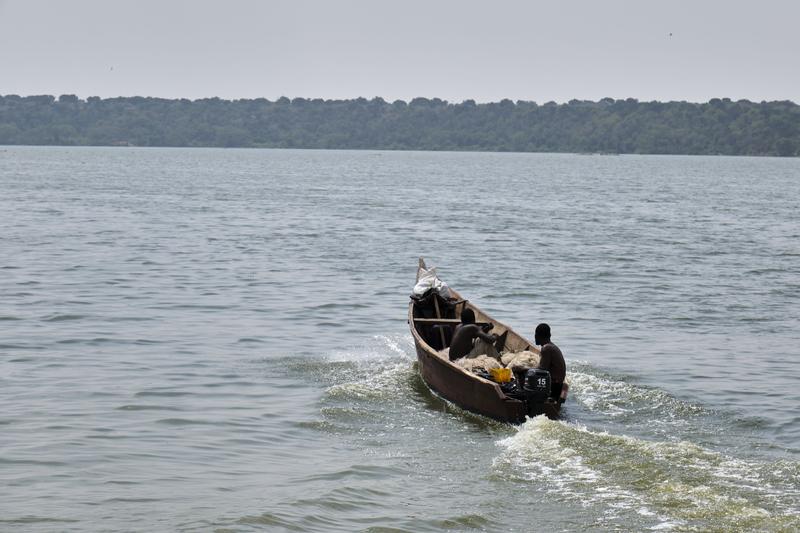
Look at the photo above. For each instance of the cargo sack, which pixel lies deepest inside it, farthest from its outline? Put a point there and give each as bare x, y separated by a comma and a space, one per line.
429, 280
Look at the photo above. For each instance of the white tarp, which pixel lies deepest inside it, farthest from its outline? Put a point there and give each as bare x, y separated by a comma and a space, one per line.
429, 280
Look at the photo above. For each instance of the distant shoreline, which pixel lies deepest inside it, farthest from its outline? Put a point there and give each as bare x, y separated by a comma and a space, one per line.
4, 147
608, 126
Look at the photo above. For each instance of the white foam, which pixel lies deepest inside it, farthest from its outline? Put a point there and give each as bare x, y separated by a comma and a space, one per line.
674, 483
617, 398
378, 347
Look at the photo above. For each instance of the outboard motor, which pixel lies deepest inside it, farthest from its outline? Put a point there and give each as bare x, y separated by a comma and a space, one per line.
537, 390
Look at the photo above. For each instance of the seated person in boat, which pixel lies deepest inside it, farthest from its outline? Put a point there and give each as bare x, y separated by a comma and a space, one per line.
551, 359
469, 339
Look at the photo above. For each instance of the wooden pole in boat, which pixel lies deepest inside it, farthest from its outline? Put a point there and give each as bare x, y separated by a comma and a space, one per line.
420, 267
439, 315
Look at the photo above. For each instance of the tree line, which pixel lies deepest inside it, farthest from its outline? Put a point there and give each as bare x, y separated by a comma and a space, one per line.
719, 126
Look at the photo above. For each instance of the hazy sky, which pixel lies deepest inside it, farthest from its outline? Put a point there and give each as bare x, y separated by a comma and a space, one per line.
454, 50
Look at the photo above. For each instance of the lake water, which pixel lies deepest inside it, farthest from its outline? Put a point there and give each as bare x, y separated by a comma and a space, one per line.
215, 340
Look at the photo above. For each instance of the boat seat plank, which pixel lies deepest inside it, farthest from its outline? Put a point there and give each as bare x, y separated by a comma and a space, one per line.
437, 321
444, 321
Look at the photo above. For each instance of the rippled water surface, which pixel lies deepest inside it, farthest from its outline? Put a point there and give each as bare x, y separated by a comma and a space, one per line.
215, 340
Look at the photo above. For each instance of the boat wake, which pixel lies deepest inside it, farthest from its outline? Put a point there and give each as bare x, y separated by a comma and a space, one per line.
662, 484
615, 397
635, 456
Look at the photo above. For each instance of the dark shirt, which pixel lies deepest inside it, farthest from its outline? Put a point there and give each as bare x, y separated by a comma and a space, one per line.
552, 360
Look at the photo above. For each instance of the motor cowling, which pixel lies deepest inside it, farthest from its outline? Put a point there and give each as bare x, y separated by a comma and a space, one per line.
537, 390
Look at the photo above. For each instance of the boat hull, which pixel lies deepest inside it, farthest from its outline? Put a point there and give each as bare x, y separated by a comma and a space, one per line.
475, 395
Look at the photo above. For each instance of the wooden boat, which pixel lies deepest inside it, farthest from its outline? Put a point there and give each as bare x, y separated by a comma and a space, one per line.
432, 319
